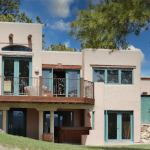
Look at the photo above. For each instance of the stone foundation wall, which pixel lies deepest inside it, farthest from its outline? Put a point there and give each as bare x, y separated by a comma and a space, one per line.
145, 134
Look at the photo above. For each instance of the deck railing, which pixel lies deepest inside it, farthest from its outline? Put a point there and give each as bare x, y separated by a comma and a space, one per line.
51, 87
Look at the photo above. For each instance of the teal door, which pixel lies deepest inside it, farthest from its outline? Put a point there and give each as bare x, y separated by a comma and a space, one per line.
72, 83
145, 109
47, 75
119, 126
17, 73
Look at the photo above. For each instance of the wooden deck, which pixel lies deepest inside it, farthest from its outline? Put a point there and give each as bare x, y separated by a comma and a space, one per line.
39, 99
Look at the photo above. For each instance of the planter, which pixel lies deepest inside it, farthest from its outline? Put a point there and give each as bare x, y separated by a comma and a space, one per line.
48, 137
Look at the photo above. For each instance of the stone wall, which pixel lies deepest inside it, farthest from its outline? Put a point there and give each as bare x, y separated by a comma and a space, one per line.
145, 134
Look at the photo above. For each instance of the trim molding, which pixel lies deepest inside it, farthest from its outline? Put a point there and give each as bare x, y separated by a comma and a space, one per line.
145, 78
59, 65
113, 66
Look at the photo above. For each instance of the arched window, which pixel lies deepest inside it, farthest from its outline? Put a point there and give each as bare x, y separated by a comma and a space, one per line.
17, 48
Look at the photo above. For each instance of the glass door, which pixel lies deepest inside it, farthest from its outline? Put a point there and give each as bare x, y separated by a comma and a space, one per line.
17, 122
119, 126
16, 73
72, 83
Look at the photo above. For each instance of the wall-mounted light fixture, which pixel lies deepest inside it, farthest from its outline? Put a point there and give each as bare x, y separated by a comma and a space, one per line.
36, 70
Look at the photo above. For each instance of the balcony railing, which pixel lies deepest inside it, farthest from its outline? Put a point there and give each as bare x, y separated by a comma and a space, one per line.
50, 87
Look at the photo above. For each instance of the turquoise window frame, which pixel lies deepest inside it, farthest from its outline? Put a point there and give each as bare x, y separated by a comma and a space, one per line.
16, 69
78, 72
51, 78
119, 75
119, 121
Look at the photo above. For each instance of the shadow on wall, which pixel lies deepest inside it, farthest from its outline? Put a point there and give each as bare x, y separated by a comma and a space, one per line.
87, 116
127, 147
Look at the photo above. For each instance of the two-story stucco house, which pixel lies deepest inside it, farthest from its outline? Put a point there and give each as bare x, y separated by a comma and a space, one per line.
89, 97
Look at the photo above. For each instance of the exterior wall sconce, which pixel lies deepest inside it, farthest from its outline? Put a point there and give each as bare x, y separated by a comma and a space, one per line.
36, 70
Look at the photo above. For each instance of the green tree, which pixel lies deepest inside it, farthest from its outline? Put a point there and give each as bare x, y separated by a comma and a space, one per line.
60, 47
9, 12
108, 24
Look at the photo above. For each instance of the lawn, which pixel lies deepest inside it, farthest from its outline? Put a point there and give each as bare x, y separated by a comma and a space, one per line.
10, 141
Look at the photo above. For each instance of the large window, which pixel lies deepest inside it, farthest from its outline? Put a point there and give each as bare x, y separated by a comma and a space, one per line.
0, 119
113, 76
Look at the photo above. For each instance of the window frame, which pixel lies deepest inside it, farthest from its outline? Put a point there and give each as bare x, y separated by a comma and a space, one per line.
119, 75
9, 50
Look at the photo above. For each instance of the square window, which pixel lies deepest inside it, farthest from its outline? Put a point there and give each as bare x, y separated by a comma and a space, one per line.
112, 76
99, 76
126, 77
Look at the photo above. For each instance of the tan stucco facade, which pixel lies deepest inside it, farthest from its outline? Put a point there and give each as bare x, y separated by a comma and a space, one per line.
107, 97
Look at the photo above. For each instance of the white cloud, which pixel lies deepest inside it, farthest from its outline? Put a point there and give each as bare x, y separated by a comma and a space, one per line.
59, 8
67, 43
61, 25
143, 61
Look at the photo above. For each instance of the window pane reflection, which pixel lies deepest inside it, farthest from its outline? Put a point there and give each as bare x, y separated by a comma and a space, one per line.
99, 76
126, 77
126, 126
112, 76
112, 126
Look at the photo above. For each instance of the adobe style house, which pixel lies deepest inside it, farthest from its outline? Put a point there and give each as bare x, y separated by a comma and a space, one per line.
89, 97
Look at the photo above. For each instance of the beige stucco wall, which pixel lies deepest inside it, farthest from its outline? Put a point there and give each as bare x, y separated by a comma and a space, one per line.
21, 32
145, 85
66, 58
113, 97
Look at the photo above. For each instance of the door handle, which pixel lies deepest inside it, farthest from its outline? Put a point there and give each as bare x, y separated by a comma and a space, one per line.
11, 126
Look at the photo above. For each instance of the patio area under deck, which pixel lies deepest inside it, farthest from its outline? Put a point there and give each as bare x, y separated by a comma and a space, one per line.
37, 110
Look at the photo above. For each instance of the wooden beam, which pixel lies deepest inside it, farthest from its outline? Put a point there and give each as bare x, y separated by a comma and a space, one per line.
43, 99
112, 66
61, 66
29, 36
11, 35
82, 87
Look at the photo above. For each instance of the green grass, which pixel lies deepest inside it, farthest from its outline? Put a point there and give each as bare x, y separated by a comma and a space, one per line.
11, 141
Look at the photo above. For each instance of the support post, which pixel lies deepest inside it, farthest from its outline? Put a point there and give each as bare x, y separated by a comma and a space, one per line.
52, 123
82, 87
40, 125
4, 120
93, 90
40, 85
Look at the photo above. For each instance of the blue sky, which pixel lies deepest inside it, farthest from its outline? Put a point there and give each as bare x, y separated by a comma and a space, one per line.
58, 14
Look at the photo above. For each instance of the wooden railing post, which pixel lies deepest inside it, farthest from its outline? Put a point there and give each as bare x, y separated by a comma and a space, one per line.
93, 90
82, 87
40, 85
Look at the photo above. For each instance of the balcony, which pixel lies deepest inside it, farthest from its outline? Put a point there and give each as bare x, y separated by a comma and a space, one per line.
46, 90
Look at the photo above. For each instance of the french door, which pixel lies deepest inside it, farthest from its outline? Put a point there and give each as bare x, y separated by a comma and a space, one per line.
17, 73
119, 126
68, 86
